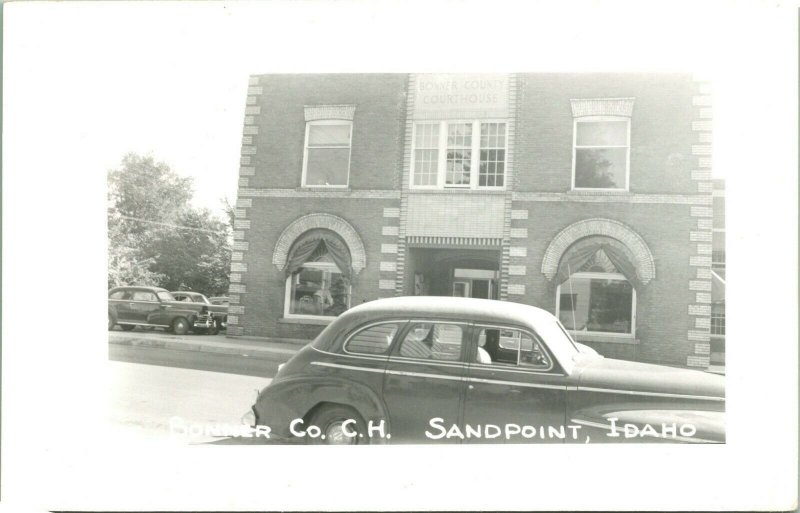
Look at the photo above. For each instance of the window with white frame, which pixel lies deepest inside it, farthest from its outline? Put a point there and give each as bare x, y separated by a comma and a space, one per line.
601, 153
459, 154
326, 161
597, 299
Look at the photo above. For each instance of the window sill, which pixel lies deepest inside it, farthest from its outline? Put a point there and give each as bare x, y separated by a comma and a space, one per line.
579, 336
306, 320
600, 192
456, 190
342, 188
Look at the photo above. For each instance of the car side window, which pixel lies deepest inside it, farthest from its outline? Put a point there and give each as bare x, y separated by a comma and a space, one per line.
143, 295
433, 341
120, 294
372, 340
510, 347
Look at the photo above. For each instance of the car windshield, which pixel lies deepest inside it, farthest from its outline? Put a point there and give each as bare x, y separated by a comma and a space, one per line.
200, 298
558, 340
163, 295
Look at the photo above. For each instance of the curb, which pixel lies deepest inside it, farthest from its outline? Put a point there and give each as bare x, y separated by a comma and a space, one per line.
276, 354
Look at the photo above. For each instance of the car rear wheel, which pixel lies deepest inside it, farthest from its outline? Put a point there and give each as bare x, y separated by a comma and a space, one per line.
339, 425
127, 327
180, 326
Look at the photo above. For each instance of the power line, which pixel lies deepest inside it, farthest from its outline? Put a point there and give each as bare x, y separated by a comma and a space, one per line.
180, 227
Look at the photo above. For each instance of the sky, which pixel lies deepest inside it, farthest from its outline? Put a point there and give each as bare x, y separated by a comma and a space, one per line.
170, 79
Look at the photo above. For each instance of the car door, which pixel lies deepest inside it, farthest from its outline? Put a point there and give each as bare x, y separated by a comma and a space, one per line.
144, 305
513, 382
424, 381
120, 301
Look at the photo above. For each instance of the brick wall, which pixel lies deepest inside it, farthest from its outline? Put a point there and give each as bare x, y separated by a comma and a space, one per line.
375, 157
662, 315
265, 284
661, 157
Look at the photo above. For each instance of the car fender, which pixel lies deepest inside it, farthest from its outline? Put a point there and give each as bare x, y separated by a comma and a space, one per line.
286, 400
649, 421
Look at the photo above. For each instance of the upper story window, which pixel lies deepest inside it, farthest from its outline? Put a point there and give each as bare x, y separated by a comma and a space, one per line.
326, 161
601, 153
459, 154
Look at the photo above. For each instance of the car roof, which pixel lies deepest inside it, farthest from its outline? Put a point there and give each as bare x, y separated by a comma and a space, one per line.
187, 292
137, 287
487, 310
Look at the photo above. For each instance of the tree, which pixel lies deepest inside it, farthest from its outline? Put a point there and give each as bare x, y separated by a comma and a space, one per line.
156, 238
144, 190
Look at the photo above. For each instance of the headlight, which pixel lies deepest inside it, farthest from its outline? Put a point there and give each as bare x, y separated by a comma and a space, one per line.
249, 418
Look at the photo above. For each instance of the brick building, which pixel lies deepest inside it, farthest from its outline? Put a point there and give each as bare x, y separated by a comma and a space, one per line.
589, 195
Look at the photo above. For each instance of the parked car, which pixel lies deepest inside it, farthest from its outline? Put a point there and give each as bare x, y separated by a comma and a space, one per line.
219, 313
462, 370
155, 307
220, 300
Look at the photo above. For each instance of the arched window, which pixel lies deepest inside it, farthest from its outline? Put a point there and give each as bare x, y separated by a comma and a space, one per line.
318, 274
596, 290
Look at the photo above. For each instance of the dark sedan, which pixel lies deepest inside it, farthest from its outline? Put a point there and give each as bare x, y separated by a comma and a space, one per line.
460, 370
219, 312
153, 307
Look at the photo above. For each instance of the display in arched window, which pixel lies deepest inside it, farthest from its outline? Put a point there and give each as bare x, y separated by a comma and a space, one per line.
318, 272
597, 298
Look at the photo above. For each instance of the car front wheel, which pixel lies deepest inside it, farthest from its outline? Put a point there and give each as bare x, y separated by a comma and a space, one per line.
180, 326
339, 425
111, 322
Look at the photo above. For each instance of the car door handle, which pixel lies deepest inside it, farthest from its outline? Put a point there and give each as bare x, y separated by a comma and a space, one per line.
471, 387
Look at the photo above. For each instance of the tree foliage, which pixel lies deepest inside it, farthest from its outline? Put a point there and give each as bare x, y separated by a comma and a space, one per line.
155, 236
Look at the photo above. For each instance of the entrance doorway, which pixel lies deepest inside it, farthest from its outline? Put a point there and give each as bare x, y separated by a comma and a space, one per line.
454, 272
479, 283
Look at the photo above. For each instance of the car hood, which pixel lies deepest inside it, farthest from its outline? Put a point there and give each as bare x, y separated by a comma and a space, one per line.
607, 373
186, 305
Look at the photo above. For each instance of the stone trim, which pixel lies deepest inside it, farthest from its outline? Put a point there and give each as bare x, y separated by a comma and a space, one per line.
602, 107
390, 230
253, 192
645, 263
322, 112
511, 179
405, 178
515, 289
386, 284
698, 361
519, 214
613, 197
389, 248
388, 267
518, 251
433, 240
345, 230
391, 212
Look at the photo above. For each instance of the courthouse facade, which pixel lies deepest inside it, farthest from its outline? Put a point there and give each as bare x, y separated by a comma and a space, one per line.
588, 195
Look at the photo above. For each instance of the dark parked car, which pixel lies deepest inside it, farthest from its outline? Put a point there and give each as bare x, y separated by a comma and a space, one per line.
219, 313
461, 370
155, 307
220, 300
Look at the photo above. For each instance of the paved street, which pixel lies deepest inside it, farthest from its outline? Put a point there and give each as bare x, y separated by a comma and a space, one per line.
243, 365
181, 396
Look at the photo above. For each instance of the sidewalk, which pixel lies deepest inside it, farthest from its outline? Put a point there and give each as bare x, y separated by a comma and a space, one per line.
252, 347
